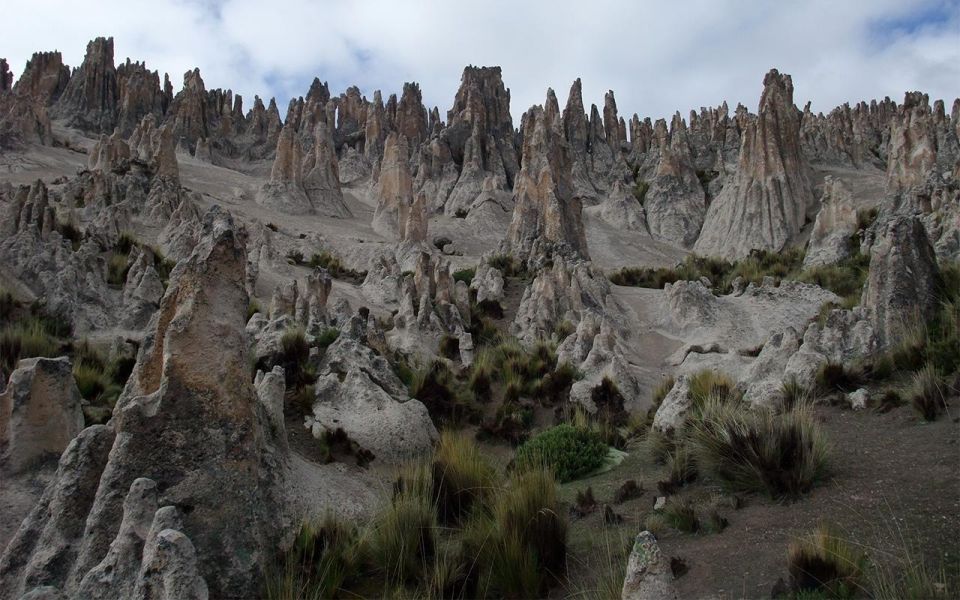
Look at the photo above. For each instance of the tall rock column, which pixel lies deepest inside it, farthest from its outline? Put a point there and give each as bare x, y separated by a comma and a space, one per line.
90, 99
766, 202
394, 189
546, 217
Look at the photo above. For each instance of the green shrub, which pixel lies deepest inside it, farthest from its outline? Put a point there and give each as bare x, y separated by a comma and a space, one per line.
444, 397
462, 477
294, 357
640, 190
404, 538
824, 562
327, 337
464, 275
323, 560
927, 393
708, 384
660, 392
569, 451
782, 455
530, 545
681, 515
118, 265
25, 339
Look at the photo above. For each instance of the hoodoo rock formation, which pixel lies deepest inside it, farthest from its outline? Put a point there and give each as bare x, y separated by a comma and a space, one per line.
546, 219
766, 202
232, 325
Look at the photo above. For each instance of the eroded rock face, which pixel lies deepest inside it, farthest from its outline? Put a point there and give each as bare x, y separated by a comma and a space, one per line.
179, 386
358, 393
832, 239
675, 203
90, 99
902, 284
305, 184
648, 576
394, 190
39, 412
546, 218
912, 150
765, 204
44, 77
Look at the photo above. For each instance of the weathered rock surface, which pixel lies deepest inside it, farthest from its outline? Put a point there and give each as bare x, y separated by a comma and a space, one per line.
832, 239
179, 386
675, 203
546, 218
358, 393
765, 204
903, 279
44, 77
39, 412
648, 575
89, 100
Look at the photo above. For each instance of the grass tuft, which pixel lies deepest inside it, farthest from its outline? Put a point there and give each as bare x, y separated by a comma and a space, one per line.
824, 562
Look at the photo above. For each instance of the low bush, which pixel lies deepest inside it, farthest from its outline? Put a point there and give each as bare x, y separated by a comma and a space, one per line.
568, 451
927, 393
27, 338
462, 477
118, 265
823, 562
835, 377
324, 559
508, 265
445, 398
294, 357
640, 190
465, 275
327, 337
782, 455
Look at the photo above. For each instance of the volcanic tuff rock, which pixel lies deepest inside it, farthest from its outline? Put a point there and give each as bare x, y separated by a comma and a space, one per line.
902, 285
675, 203
44, 77
394, 189
765, 204
90, 99
621, 209
39, 412
179, 386
912, 150
358, 393
546, 218
832, 239
648, 575
305, 184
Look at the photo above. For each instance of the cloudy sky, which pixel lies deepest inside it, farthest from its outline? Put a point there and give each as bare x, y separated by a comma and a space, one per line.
658, 56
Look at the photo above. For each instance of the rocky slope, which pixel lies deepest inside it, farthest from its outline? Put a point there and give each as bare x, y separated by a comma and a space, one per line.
294, 289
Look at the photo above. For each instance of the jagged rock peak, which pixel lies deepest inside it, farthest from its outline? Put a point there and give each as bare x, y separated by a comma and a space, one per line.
411, 115
546, 218
394, 190
912, 149
6, 77
44, 77
482, 98
765, 204
89, 100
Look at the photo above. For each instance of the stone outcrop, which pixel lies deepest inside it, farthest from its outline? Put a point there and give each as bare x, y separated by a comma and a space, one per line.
546, 217
833, 237
903, 279
621, 209
302, 184
39, 412
358, 393
648, 575
675, 202
161, 430
394, 189
90, 99
765, 204
44, 77
912, 149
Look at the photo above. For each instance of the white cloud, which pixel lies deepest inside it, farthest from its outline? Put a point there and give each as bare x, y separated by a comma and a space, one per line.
657, 56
